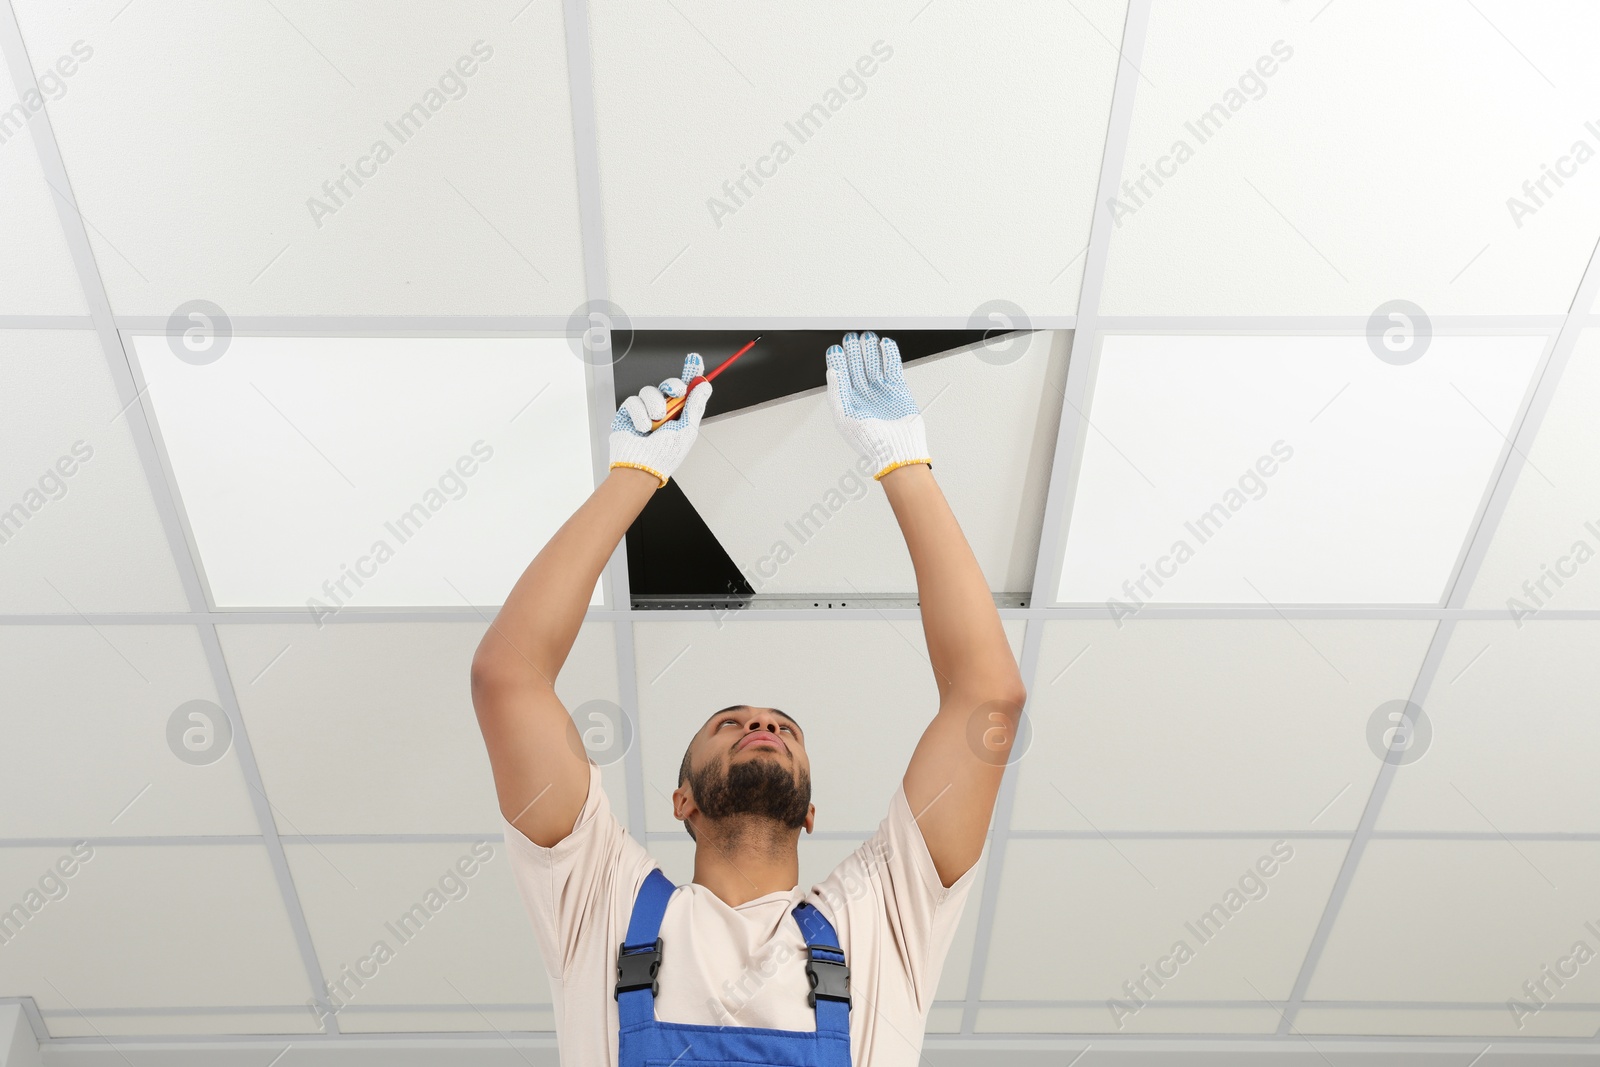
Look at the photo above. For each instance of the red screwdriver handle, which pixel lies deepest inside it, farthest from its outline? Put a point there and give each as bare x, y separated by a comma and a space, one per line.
675, 405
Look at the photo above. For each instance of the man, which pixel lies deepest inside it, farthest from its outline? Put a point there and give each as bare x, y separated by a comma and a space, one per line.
751, 967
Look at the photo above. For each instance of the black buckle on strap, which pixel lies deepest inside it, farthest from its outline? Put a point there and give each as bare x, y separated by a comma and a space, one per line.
830, 979
638, 969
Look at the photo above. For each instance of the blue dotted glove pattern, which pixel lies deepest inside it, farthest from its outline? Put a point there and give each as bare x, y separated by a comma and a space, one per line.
868, 378
872, 402
634, 444
652, 402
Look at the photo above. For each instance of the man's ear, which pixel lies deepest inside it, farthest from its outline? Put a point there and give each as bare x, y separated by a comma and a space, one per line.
683, 803
811, 816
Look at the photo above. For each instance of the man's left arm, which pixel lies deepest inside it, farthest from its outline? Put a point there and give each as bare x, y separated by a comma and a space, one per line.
955, 773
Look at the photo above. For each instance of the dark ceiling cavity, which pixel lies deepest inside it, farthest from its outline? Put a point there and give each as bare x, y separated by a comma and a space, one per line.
674, 558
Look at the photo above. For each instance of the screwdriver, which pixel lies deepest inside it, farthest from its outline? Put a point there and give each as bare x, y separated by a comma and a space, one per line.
675, 404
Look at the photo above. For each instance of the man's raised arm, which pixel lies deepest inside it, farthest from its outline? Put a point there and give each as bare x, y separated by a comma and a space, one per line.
955, 771
541, 773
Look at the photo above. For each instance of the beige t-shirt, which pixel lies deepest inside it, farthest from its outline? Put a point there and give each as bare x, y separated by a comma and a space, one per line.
743, 966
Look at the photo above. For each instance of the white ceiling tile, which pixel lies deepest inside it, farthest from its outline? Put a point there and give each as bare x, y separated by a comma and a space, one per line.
1293, 469
1439, 1022
320, 472
869, 219
944, 1019
1109, 909
1463, 921
368, 728
75, 506
112, 1025
1550, 532
1156, 1019
824, 673
1196, 725
1361, 168
88, 720
152, 926
37, 276
447, 916
1509, 706
212, 192
490, 1017
781, 475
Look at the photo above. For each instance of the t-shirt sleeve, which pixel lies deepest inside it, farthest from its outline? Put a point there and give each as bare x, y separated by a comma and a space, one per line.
569, 889
889, 894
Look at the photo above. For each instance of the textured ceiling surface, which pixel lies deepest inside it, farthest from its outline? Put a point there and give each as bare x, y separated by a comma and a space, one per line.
1279, 456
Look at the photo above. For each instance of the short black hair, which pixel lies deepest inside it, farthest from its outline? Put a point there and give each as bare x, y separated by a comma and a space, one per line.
683, 768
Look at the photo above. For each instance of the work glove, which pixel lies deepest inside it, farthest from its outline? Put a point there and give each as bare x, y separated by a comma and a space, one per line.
659, 452
872, 404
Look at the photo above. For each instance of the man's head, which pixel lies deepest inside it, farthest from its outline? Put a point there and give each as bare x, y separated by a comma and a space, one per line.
746, 762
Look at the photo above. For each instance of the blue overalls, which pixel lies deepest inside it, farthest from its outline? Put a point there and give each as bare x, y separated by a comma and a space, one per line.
644, 1041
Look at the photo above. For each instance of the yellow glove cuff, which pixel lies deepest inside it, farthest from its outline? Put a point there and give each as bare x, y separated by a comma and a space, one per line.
642, 467
902, 463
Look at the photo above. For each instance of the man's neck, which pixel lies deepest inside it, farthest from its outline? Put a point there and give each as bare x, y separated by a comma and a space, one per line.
740, 862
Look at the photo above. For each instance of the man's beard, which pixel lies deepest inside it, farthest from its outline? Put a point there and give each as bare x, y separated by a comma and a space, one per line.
760, 787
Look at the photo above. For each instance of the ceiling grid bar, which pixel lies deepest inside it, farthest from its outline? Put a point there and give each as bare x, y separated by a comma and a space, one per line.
76, 235
1070, 613
1068, 437
601, 383
1126, 1044
1355, 325
1491, 490
468, 325
1331, 1005
851, 836
1478, 548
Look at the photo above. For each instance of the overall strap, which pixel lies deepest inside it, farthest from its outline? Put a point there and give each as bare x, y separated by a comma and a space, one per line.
825, 970
639, 956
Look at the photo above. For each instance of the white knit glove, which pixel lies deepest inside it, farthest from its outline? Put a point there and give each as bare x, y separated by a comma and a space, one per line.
632, 442
872, 404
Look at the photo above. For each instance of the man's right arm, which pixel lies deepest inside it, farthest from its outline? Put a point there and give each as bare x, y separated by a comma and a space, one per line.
541, 773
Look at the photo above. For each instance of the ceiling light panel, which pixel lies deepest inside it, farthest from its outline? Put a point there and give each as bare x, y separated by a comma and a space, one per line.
1189, 726
79, 529
329, 147
1545, 544
780, 488
208, 930
115, 731
398, 694
786, 132
1511, 704
822, 672
1462, 921
1253, 183
37, 276
1290, 469
1245, 909
320, 473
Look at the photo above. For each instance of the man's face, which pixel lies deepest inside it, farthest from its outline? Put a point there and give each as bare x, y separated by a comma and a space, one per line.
751, 761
